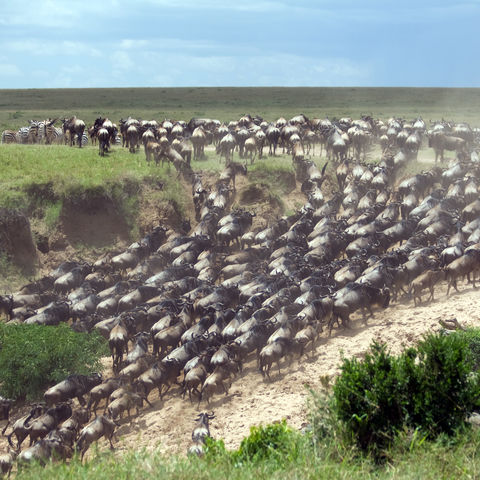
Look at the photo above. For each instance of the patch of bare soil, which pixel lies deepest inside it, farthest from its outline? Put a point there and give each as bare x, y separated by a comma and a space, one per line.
97, 224
253, 400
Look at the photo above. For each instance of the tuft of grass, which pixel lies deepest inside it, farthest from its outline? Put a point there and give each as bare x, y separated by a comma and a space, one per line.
52, 214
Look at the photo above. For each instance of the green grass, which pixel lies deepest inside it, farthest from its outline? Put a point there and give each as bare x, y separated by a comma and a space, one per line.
409, 458
40, 179
225, 104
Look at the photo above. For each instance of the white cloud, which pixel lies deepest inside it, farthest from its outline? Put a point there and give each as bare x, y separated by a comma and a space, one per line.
244, 5
172, 69
37, 47
47, 13
165, 44
122, 61
9, 70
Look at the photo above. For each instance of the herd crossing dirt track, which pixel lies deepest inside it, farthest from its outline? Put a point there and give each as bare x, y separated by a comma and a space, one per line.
253, 400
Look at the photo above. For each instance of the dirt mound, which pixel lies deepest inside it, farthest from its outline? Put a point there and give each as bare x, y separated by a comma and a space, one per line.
94, 222
16, 238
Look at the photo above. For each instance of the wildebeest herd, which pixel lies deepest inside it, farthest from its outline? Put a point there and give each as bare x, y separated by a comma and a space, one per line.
179, 141
190, 308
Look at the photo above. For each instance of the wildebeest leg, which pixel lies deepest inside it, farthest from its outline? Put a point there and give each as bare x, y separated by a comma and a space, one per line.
5, 428
81, 400
364, 316
225, 389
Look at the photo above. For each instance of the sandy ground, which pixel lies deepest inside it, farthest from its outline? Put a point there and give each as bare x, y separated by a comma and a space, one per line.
253, 400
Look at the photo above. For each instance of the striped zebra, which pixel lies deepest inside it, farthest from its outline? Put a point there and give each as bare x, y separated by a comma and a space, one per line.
51, 133
9, 136
29, 134
84, 139
23, 134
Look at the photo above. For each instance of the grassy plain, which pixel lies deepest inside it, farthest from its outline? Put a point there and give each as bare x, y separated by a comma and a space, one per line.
410, 458
225, 104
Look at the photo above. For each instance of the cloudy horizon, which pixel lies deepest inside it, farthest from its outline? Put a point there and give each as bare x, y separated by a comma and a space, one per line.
155, 43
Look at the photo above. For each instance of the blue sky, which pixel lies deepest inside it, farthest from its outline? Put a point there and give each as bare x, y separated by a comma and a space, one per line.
150, 43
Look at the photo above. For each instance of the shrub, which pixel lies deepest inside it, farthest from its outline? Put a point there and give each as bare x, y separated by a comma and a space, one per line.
33, 357
368, 399
276, 441
446, 391
472, 338
430, 387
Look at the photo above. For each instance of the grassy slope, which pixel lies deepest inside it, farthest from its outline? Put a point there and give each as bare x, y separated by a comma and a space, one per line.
408, 459
18, 106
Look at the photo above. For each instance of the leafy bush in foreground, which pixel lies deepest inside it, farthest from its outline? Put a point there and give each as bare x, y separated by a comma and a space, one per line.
32, 357
275, 442
447, 391
430, 387
368, 397
472, 337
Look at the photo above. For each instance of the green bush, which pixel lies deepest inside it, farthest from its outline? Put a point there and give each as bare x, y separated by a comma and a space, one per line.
472, 337
446, 389
430, 387
33, 357
368, 398
276, 443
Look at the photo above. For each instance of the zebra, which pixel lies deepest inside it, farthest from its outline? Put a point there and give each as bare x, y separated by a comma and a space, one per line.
9, 136
23, 134
29, 134
51, 133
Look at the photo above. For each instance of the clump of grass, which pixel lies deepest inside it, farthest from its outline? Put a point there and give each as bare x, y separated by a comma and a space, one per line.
52, 215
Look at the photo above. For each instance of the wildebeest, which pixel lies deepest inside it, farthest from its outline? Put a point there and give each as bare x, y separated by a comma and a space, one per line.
75, 127
200, 433
49, 420
74, 385
99, 427
5, 404
20, 427
428, 280
103, 141
356, 296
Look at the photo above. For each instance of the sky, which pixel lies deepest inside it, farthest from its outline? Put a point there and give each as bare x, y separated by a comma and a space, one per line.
179, 43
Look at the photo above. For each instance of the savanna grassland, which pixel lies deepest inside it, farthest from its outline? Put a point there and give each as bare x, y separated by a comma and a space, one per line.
225, 104
86, 205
